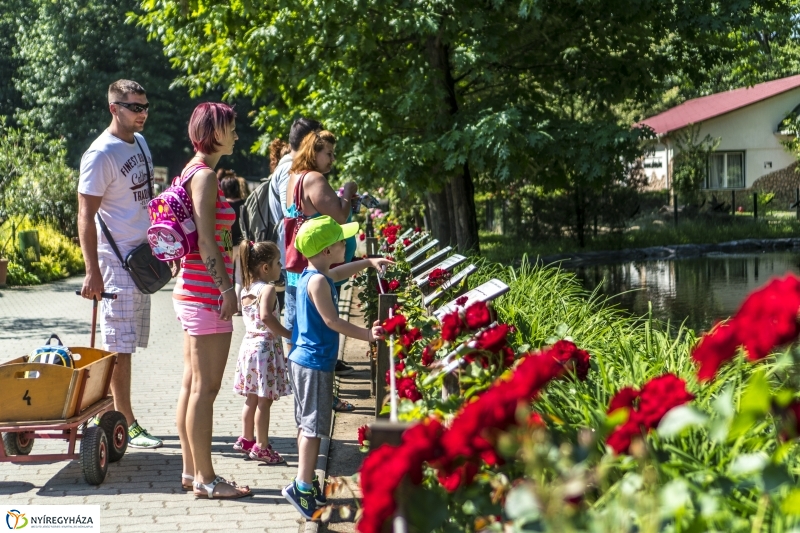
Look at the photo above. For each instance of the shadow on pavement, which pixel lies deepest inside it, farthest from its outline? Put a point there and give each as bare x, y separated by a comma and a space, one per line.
15, 487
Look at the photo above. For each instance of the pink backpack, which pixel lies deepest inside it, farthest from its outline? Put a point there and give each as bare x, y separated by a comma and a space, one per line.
172, 233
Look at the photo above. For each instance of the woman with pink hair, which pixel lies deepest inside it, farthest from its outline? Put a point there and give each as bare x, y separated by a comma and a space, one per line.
204, 300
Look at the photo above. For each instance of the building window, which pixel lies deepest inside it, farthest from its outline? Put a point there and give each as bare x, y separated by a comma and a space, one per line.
725, 170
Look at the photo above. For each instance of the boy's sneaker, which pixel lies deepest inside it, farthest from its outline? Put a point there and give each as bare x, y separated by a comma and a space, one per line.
243, 445
342, 369
319, 496
138, 437
302, 501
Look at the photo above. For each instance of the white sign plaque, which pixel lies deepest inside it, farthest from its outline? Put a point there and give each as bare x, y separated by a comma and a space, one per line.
484, 293
448, 264
449, 284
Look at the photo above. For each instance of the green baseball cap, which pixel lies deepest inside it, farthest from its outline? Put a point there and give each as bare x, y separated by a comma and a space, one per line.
318, 233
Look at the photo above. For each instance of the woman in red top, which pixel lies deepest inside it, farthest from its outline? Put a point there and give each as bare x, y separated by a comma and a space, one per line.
204, 301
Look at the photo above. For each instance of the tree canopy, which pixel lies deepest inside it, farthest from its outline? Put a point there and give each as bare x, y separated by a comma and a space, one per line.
58, 58
430, 94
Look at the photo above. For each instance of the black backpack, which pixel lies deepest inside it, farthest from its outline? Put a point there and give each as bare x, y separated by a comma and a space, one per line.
255, 217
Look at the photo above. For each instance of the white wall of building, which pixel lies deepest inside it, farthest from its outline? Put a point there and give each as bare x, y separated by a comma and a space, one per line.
752, 130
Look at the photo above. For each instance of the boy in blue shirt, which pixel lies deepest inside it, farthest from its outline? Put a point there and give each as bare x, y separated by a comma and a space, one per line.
315, 337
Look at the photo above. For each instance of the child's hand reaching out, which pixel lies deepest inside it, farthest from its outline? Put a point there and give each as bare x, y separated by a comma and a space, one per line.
379, 263
377, 333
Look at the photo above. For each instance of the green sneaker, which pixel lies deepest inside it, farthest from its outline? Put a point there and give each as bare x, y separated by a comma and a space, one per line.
138, 437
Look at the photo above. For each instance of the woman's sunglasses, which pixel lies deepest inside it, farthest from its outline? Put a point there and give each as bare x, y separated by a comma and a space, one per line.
136, 108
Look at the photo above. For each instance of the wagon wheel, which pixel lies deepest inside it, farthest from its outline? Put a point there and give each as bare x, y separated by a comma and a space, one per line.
17, 443
94, 455
116, 428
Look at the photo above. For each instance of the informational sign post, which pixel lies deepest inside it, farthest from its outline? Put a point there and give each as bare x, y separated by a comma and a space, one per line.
483, 293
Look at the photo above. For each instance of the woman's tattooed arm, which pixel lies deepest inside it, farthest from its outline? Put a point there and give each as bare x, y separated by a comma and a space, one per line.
211, 267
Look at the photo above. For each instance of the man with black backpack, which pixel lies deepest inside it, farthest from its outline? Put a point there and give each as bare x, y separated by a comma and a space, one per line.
268, 204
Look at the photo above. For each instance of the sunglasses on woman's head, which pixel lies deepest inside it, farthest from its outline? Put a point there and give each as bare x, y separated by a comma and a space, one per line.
136, 108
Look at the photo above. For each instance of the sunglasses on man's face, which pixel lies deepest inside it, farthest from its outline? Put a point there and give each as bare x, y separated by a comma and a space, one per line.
136, 108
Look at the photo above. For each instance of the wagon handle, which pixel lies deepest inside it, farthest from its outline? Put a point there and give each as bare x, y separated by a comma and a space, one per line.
106, 295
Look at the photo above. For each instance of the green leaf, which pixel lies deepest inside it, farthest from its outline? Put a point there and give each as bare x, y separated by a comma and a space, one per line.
774, 477
618, 417
679, 419
427, 509
756, 399
791, 504
561, 330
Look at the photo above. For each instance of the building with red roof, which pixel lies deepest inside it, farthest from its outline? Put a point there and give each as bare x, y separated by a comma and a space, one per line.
747, 124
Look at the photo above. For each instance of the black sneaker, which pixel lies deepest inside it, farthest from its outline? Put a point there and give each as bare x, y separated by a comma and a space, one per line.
302, 501
343, 369
319, 496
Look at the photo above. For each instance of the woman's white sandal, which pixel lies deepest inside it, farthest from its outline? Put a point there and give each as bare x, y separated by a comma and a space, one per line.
190, 479
209, 488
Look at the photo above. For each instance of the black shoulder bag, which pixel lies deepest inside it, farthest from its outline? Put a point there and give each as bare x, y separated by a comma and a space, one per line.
148, 273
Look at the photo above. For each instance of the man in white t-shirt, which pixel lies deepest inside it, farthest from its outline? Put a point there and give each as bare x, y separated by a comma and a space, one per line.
114, 184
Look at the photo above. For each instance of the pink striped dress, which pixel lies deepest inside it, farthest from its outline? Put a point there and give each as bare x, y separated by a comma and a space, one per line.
194, 285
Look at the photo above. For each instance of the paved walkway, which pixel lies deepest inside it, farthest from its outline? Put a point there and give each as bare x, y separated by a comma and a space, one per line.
142, 491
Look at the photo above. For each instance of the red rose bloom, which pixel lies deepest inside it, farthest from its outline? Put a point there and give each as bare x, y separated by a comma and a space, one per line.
406, 242
410, 337
394, 285
535, 420
508, 356
461, 300
477, 316
384, 468
395, 325
493, 339
657, 397
626, 397
569, 354
390, 249
417, 229
391, 231
362, 237
766, 320
438, 276
407, 388
451, 326
363, 434
428, 355
391, 239
459, 477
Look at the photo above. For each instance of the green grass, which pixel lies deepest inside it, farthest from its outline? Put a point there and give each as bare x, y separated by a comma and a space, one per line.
643, 233
546, 303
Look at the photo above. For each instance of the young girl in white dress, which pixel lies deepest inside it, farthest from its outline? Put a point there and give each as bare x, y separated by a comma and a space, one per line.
261, 370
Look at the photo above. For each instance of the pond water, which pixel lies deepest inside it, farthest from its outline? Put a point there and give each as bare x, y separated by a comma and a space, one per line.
699, 290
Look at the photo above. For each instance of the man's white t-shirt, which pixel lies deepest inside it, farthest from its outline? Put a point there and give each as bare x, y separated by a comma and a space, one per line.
115, 170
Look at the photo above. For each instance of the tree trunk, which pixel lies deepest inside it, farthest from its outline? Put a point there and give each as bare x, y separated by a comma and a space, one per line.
580, 218
464, 219
459, 190
438, 217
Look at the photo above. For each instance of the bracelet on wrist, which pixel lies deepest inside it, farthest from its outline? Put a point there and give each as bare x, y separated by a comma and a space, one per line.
226, 290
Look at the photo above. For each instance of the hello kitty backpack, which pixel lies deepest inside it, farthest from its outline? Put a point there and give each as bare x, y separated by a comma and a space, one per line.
172, 233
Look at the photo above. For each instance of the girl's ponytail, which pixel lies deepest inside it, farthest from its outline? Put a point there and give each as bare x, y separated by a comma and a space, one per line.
244, 257
253, 254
